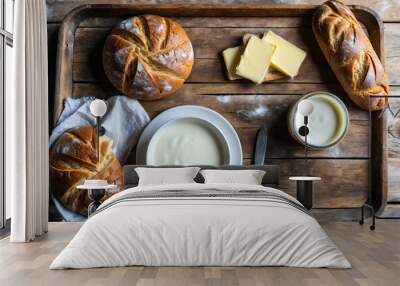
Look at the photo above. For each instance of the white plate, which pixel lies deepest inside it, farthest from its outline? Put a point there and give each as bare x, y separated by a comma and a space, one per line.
193, 111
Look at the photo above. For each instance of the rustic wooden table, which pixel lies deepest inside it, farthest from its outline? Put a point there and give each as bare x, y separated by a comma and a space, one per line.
248, 112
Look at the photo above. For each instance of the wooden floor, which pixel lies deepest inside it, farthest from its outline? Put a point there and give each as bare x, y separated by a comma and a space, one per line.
375, 257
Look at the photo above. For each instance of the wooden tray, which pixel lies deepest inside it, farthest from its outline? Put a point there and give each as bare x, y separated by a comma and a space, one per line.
212, 28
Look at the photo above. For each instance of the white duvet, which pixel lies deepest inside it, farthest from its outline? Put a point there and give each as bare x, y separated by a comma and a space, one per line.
190, 231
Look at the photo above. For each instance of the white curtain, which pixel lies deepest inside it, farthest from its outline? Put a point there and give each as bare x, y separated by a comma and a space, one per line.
27, 124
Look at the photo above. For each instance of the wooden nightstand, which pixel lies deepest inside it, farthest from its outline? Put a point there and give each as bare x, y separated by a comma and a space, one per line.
305, 190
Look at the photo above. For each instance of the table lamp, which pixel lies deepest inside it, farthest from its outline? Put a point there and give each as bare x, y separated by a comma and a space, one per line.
305, 108
98, 108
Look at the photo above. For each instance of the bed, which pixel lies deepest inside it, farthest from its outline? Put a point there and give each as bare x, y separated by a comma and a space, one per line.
198, 224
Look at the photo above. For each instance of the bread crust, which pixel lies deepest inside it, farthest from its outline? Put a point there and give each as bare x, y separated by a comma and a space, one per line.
73, 158
350, 55
148, 57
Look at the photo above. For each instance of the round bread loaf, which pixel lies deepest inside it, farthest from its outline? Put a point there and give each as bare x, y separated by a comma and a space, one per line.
73, 158
147, 57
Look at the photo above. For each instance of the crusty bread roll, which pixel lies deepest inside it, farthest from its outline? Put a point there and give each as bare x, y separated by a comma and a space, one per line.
148, 57
73, 158
350, 54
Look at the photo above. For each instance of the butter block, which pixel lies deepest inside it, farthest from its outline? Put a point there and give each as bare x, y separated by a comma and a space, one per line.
287, 57
231, 59
255, 60
246, 37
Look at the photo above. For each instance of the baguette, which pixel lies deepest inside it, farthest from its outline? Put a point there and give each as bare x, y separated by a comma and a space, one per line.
350, 55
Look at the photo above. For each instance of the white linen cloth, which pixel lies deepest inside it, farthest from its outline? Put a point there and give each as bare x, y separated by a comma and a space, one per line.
26, 140
123, 122
223, 231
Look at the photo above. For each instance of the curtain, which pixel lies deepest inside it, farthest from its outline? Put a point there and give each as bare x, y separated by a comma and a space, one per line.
27, 124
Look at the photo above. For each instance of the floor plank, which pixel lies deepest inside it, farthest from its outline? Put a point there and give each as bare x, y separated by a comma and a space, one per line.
375, 257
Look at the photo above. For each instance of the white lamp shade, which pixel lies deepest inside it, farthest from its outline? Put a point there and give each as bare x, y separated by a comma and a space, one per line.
305, 107
98, 107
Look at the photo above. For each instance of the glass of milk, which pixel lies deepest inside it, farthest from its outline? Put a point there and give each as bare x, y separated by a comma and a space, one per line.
327, 124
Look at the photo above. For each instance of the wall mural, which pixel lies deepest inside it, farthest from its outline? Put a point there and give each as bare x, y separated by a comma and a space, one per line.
140, 66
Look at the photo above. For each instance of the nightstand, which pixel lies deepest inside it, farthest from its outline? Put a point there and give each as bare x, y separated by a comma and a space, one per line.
95, 193
305, 190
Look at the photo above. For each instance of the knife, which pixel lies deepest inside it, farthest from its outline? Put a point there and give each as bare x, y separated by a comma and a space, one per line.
260, 149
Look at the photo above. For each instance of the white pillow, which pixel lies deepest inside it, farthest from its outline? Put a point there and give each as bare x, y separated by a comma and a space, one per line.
166, 176
247, 177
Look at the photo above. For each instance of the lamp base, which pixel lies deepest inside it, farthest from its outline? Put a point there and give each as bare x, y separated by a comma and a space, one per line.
102, 131
99, 128
305, 193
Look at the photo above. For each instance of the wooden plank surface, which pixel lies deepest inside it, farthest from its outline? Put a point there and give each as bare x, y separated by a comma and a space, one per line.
248, 112
386, 9
343, 184
245, 105
208, 66
392, 50
394, 183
